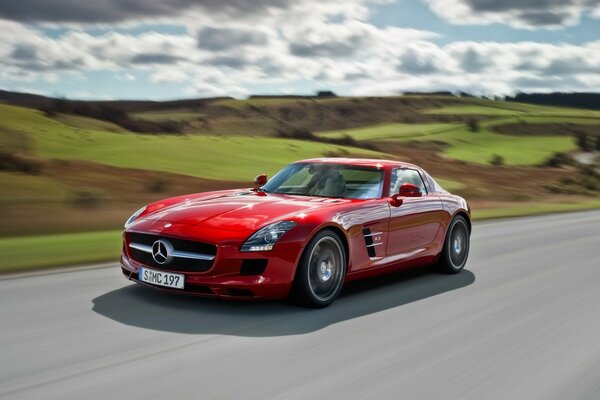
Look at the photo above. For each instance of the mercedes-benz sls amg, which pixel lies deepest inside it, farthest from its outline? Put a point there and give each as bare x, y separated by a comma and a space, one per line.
316, 224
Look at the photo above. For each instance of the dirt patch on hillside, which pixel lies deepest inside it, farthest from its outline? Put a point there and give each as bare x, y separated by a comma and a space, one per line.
266, 118
99, 197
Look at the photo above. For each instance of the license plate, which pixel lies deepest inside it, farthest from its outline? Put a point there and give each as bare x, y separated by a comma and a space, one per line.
161, 278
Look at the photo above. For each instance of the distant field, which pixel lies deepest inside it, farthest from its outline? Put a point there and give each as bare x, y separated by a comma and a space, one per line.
77, 121
173, 115
465, 145
481, 146
278, 102
494, 108
391, 131
212, 157
475, 110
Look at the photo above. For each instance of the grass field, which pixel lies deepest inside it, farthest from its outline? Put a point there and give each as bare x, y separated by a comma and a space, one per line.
19, 253
477, 147
392, 131
518, 210
475, 110
480, 147
482, 107
212, 157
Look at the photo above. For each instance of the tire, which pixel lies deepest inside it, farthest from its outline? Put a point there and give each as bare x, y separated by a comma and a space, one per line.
456, 247
321, 271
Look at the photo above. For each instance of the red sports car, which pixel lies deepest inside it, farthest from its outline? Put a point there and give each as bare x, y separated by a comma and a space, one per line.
313, 226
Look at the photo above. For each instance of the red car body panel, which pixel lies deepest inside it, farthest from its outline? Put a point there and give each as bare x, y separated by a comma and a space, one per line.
407, 236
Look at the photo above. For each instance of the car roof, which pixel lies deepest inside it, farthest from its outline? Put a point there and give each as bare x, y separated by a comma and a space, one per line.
363, 162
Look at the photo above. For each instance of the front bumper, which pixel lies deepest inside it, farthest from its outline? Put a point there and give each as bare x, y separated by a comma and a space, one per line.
227, 278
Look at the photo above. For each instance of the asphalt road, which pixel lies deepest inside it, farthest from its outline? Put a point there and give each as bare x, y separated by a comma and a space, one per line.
522, 322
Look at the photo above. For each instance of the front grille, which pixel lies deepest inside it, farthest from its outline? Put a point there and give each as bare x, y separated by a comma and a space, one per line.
178, 263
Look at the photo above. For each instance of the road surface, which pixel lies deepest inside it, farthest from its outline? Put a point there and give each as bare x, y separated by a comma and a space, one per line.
521, 322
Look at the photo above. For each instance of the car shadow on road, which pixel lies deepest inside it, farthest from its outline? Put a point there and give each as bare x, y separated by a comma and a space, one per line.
150, 309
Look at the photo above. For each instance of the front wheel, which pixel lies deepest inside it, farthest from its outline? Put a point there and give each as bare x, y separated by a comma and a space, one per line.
456, 246
321, 271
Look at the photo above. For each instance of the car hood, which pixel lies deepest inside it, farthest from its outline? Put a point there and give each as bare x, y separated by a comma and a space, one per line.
239, 211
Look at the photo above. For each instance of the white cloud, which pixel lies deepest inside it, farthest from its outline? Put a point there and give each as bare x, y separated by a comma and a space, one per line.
494, 68
527, 14
126, 77
326, 44
168, 75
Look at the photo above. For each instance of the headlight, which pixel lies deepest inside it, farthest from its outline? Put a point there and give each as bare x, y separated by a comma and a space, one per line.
134, 216
265, 238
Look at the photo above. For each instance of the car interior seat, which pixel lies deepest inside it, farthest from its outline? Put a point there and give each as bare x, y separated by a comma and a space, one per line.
334, 186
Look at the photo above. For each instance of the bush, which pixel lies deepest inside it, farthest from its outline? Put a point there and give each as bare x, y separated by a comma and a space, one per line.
344, 111
337, 153
86, 199
158, 185
17, 163
589, 170
585, 182
582, 141
591, 183
326, 93
559, 159
560, 188
297, 133
473, 125
497, 160
285, 113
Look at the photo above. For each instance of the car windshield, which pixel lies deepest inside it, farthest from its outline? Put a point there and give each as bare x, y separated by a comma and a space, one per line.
327, 180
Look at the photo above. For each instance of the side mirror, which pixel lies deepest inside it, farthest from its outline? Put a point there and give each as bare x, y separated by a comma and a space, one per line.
396, 200
259, 181
409, 190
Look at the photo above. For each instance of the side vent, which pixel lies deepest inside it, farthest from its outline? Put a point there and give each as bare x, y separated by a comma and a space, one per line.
370, 243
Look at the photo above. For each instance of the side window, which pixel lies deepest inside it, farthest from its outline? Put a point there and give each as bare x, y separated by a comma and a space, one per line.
403, 175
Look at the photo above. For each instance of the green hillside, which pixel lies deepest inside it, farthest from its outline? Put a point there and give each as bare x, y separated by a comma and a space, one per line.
208, 156
479, 145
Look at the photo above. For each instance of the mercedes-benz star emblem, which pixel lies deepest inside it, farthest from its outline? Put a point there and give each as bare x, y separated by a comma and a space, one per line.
161, 251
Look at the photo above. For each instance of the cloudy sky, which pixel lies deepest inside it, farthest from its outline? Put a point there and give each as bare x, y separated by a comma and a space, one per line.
164, 49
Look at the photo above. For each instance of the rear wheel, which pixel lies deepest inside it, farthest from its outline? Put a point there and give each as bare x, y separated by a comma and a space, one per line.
320, 275
456, 246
